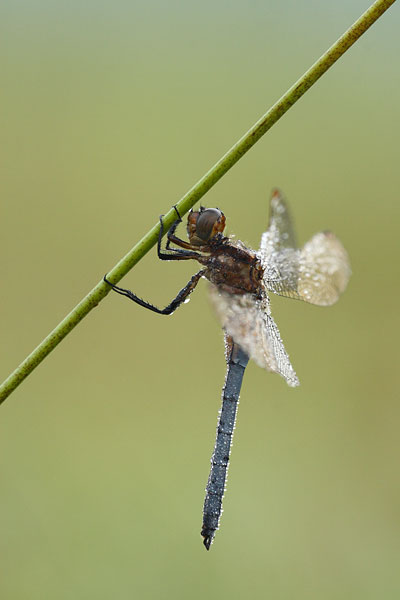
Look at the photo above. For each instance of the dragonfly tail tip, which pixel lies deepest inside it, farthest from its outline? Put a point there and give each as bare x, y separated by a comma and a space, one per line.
207, 541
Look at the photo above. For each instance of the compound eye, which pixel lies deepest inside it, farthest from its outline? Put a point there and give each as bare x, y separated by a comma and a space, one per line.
209, 222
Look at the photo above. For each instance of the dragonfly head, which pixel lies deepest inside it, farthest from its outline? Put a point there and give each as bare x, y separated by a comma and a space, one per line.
204, 224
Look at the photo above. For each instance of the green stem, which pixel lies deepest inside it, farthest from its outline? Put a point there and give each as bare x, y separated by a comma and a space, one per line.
197, 191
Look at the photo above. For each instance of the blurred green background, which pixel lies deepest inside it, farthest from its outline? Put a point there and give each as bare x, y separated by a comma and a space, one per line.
111, 111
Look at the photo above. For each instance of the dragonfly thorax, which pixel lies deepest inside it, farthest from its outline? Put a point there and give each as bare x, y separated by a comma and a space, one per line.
234, 269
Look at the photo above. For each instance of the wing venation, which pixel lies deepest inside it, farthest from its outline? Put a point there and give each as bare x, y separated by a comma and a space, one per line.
317, 273
251, 325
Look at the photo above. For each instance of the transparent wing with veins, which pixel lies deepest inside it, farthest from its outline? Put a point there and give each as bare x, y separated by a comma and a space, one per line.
251, 325
317, 273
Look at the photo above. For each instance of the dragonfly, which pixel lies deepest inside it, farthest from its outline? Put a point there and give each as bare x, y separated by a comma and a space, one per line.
241, 280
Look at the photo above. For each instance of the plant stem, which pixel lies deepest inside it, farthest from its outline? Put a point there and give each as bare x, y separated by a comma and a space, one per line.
196, 192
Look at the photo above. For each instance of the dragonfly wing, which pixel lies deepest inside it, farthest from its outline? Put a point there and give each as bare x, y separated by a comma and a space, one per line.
324, 269
318, 273
283, 365
280, 233
278, 250
251, 325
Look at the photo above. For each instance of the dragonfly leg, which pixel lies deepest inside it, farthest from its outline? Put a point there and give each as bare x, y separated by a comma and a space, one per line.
172, 306
173, 253
172, 229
